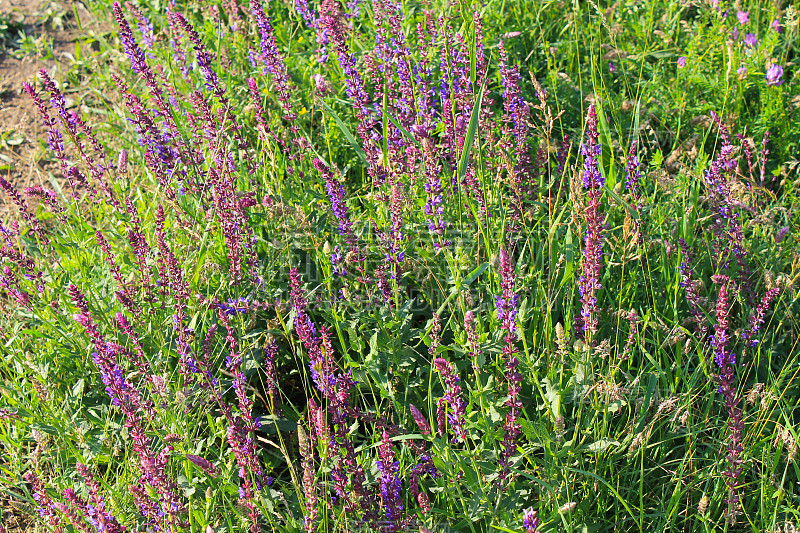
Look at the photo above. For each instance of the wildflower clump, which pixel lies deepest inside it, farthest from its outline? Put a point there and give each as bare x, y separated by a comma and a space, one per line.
347, 266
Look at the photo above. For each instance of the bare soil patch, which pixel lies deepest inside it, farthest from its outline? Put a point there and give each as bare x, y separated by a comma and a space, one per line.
51, 30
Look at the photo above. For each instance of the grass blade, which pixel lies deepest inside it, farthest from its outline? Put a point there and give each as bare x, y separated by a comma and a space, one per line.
347, 133
470, 138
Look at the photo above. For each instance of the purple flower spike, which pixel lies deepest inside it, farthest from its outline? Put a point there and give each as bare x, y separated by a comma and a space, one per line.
305, 12
758, 317
741, 72
507, 312
273, 389
507, 303
273, 61
592, 178
306, 441
452, 397
774, 75
530, 521
589, 282
515, 132
726, 361
240, 430
202, 463
135, 53
391, 484
331, 23
681, 61
336, 194
750, 40
46, 506
165, 506
472, 339
420, 420
144, 25
632, 174
395, 237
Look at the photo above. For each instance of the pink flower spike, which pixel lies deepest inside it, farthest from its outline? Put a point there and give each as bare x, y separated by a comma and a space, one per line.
420, 420
202, 463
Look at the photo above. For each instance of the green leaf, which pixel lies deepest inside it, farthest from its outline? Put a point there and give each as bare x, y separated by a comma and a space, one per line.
347, 133
648, 396
605, 140
77, 389
470, 138
271, 423
553, 396
472, 276
622, 202
569, 256
636, 118
601, 445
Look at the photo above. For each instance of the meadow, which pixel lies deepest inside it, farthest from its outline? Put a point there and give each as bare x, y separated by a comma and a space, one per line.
395, 265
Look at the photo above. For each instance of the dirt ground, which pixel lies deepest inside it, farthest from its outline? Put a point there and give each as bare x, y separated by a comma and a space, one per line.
52, 29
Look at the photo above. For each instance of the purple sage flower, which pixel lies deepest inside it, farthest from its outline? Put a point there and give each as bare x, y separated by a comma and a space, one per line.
420, 419
472, 339
530, 521
515, 132
305, 12
452, 397
165, 506
306, 441
589, 282
726, 361
203, 463
391, 484
507, 312
774, 75
46, 505
95, 510
335, 387
273, 389
336, 193
632, 174
273, 61
144, 24
320, 84
741, 72
240, 430
758, 317
331, 21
